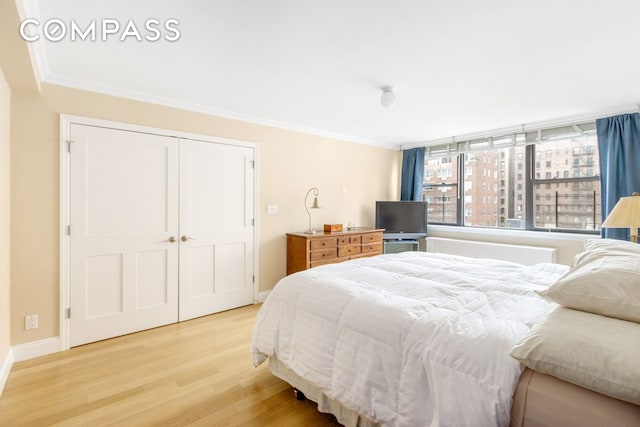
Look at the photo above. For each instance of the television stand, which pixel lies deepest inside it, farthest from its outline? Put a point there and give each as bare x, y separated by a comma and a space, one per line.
396, 246
403, 242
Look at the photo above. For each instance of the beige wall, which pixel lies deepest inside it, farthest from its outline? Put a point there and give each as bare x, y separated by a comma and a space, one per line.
5, 200
289, 164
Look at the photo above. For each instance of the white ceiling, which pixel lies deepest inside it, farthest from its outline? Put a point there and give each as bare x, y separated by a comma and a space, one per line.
459, 67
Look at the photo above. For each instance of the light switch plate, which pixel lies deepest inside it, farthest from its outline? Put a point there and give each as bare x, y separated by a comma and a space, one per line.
272, 209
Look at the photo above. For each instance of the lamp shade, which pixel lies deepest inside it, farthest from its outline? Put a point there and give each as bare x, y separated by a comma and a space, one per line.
625, 214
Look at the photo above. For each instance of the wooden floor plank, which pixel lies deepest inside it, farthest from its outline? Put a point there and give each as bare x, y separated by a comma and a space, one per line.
195, 373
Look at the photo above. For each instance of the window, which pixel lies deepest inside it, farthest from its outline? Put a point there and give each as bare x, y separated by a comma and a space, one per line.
444, 173
498, 189
491, 197
441, 194
574, 206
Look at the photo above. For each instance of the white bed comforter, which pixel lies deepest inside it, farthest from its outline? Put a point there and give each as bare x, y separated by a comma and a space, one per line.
408, 339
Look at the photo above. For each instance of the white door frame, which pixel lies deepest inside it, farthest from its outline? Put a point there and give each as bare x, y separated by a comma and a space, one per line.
65, 129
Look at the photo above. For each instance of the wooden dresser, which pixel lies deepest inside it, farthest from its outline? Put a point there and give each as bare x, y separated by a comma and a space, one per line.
310, 250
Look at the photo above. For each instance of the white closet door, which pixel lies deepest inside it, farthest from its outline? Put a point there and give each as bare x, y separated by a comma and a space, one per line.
123, 211
216, 227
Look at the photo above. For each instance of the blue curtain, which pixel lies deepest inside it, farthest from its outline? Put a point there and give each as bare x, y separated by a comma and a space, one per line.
619, 148
412, 174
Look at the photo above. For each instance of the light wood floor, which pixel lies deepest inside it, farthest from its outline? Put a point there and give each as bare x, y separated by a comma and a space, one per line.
195, 373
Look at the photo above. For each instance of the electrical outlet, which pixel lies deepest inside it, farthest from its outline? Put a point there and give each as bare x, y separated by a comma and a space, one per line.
31, 321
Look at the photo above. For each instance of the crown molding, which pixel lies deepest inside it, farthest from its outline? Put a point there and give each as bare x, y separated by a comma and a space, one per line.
200, 108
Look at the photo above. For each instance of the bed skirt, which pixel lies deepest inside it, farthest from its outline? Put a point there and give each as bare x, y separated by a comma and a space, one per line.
539, 401
345, 416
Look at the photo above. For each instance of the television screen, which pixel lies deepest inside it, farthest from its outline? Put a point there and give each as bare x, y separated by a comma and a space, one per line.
401, 216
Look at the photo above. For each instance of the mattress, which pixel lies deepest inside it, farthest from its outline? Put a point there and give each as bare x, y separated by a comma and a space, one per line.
406, 339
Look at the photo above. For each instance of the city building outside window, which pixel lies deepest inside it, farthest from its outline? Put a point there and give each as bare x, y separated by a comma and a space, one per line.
559, 190
441, 190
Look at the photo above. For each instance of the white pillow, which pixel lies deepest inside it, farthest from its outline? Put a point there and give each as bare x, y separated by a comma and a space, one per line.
611, 245
605, 280
592, 351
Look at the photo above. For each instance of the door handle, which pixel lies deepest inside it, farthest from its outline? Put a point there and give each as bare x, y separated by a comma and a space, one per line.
171, 239
185, 238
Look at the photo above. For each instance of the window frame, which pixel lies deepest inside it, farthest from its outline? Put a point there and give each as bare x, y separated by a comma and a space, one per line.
459, 183
530, 182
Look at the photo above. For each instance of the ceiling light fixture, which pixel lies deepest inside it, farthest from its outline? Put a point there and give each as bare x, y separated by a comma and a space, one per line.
388, 97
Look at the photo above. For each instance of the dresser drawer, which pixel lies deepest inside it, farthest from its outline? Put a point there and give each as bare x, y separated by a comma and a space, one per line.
321, 254
349, 240
342, 241
371, 248
311, 250
371, 238
345, 251
330, 242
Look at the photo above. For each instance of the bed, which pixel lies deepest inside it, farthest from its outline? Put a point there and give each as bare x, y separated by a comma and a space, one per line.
411, 339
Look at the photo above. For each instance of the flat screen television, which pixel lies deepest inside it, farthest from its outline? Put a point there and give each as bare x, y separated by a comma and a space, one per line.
402, 219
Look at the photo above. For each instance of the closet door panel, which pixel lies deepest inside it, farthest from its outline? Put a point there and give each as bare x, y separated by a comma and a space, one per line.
123, 210
161, 230
216, 227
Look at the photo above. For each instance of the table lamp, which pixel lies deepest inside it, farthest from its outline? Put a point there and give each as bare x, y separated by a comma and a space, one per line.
625, 214
313, 206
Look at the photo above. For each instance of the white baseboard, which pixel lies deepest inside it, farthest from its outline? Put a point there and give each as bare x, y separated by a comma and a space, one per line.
31, 350
5, 369
262, 296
